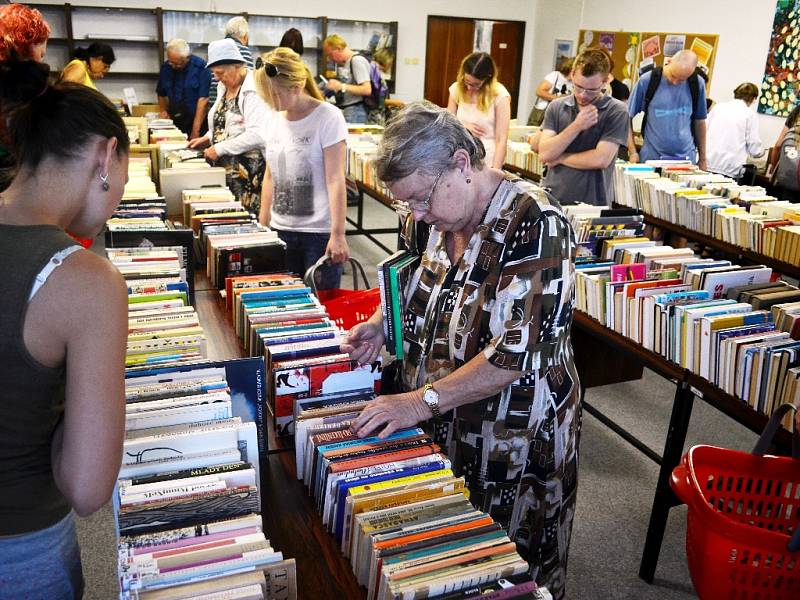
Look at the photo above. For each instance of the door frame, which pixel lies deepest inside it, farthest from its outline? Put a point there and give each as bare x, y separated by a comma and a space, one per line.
521, 54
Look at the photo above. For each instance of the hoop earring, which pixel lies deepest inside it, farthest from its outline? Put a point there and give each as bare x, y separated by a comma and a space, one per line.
469, 180
104, 179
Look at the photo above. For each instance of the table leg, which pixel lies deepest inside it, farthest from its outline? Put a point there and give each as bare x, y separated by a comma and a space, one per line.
664, 498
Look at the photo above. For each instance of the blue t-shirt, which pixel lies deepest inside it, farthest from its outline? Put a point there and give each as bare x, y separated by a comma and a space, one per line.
185, 86
668, 133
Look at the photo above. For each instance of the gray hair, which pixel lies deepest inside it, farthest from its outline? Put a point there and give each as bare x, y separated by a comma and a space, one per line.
423, 137
180, 46
237, 27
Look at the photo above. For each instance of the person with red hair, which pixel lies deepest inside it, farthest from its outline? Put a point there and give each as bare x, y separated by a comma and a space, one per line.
23, 33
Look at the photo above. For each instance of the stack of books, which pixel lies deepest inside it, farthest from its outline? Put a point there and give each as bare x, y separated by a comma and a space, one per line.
188, 497
241, 248
193, 197
729, 324
162, 326
400, 515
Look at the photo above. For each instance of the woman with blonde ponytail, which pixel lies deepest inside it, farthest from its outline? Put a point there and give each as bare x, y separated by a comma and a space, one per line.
303, 196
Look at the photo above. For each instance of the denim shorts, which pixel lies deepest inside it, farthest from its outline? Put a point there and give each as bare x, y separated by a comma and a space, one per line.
43, 565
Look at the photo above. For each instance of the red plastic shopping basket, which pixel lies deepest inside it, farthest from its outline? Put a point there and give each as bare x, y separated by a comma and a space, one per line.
347, 308
743, 511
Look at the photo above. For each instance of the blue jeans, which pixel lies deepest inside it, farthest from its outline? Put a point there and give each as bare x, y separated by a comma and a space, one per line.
357, 113
45, 564
303, 249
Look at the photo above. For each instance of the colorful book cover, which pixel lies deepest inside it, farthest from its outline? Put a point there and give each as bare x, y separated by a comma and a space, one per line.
630, 272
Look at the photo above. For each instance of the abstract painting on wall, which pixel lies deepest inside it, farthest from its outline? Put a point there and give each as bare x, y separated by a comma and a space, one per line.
779, 89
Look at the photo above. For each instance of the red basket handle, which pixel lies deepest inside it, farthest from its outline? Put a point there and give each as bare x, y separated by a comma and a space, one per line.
681, 484
310, 281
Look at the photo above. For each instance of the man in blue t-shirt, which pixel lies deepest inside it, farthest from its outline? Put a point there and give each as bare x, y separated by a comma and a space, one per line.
670, 131
182, 89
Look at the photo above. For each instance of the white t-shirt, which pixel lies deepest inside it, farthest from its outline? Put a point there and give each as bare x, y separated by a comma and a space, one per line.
468, 112
732, 136
293, 151
557, 86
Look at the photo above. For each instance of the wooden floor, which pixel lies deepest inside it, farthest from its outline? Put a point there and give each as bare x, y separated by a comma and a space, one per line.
290, 519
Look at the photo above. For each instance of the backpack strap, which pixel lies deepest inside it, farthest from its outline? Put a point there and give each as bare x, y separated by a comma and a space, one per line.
652, 87
694, 89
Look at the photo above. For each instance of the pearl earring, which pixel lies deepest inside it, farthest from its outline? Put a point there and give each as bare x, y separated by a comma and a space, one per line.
104, 179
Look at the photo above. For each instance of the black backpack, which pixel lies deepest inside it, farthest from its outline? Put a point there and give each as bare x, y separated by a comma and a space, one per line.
787, 171
652, 87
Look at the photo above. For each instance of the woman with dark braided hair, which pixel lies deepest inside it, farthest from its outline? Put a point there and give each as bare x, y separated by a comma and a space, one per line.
63, 327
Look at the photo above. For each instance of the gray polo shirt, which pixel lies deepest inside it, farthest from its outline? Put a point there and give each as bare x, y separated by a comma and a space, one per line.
595, 186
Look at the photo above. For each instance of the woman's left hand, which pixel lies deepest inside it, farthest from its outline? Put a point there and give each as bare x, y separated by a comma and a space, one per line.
211, 154
391, 413
337, 249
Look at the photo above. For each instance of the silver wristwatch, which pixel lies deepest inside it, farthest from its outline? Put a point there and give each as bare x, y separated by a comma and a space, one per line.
431, 398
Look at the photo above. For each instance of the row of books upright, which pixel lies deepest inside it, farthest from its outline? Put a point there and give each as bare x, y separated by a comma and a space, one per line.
400, 514
228, 238
736, 326
362, 149
277, 317
714, 205
188, 503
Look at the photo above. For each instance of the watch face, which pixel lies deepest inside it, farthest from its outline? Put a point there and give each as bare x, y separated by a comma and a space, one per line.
431, 396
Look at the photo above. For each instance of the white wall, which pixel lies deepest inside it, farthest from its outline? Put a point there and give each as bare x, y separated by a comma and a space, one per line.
743, 26
411, 16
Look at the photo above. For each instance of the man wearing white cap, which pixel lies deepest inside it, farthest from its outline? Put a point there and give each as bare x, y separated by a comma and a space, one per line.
235, 123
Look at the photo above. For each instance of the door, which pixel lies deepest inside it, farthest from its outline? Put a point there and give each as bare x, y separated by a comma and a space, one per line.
508, 38
449, 41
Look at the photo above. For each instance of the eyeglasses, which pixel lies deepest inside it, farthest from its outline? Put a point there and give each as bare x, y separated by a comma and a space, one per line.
270, 69
425, 205
587, 91
474, 86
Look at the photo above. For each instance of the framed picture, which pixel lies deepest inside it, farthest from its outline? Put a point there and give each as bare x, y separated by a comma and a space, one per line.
564, 49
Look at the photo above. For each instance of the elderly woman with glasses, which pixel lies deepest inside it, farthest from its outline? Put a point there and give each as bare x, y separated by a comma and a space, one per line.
304, 195
486, 332
235, 123
483, 105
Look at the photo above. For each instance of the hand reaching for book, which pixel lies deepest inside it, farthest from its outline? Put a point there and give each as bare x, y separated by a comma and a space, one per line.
363, 342
387, 414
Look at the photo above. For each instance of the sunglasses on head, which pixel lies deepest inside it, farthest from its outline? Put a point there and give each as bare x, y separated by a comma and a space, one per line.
270, 69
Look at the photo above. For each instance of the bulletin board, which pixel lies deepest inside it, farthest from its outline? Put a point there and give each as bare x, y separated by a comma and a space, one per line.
659, 46
632, 49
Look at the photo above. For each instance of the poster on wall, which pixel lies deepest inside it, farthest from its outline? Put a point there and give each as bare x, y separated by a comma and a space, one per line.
563, 50
651, 47
779, 91
673, 44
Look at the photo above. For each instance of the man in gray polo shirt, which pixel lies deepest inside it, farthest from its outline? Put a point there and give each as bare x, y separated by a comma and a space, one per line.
581, 134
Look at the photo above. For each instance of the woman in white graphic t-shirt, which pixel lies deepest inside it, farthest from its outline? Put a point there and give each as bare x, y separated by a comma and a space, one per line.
303, 196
